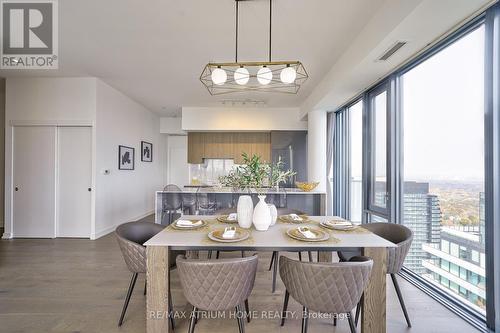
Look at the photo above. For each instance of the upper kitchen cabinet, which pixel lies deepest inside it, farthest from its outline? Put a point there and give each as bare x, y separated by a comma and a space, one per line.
196, 147
228, 145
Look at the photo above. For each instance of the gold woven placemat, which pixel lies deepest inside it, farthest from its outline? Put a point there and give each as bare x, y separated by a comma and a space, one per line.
331, 240
359, 230
205, 228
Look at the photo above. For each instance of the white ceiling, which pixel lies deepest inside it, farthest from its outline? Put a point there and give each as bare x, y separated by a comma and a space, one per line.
154, 51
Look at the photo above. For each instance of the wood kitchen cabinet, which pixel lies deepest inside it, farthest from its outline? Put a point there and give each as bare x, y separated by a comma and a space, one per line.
228, 145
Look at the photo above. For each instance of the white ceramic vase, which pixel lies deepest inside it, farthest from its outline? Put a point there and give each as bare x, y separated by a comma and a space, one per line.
261, 215
245, 211
274, 213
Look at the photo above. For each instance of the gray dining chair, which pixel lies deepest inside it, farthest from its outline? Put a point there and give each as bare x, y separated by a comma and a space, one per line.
402, 237
274, 258
333, 288
206, 203
130, 237
217, 285
188, 203
171, 202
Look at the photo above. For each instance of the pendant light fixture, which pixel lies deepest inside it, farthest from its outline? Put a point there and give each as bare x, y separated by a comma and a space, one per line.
271, 76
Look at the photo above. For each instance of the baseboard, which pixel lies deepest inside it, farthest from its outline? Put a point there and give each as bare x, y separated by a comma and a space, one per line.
105, 231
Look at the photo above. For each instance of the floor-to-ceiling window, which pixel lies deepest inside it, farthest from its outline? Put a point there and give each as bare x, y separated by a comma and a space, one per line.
443, 168
356, 161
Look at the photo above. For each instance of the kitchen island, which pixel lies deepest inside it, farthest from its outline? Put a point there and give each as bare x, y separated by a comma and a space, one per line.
222, 200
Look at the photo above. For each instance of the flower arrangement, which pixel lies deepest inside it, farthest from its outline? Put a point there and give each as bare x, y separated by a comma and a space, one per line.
254, 173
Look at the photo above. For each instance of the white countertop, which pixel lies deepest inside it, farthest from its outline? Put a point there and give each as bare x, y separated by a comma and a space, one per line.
229, 190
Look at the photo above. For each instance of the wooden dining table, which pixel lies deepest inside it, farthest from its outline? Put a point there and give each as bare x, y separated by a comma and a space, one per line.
373, 316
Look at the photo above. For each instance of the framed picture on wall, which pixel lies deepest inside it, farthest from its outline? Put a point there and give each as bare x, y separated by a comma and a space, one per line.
126, 158
146, 151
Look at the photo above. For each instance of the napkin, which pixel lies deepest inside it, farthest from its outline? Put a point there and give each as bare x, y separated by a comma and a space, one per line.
306, 232
339, 223
229, 232
232, 217
295, 217
187, 223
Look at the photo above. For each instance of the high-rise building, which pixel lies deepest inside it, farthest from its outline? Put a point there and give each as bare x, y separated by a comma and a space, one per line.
422, 214
458, 262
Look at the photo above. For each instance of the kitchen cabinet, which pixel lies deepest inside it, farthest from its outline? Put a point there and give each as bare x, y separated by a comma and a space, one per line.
228, 145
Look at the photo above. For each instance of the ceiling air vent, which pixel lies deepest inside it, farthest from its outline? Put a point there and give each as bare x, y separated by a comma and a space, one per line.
393, 49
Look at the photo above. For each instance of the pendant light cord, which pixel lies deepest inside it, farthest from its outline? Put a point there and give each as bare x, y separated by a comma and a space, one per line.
270, 26
237, 5
270, 29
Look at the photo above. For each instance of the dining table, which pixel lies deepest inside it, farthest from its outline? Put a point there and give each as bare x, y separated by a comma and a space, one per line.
373, 316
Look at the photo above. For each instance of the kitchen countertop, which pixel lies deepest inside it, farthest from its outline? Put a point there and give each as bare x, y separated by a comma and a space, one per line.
228, 190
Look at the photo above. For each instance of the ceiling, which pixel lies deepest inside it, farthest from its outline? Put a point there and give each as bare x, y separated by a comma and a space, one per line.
154, 51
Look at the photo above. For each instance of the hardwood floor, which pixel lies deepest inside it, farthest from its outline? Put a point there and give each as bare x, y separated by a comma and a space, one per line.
75, 285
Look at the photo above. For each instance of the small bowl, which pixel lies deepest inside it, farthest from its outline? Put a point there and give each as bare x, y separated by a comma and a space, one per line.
307, 186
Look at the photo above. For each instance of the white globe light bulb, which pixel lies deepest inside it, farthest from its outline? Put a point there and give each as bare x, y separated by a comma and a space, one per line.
241, 76
288, 75
264, 75
219, 76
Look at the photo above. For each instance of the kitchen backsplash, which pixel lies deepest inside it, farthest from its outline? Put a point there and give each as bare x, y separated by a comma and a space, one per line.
208, 173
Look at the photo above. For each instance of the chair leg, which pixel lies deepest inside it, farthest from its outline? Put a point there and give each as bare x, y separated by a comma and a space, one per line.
358, 312
127, 299
217, 254
275, 273
300, 256
305, 315
192, 322
241, 322
209, 254
272, 260
171, 312
145, 285
243, 254
400, 297
351, 322
247, 310
334, 321
285, 307
309, 253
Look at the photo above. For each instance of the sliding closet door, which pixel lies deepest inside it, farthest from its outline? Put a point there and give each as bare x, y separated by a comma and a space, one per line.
34, 182
74, 181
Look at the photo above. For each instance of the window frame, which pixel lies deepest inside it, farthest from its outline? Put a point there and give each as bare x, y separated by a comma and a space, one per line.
395, 180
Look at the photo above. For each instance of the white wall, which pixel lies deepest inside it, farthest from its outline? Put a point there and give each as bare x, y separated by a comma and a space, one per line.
171, 125
177, 165
119, 197
316, 149
124, 195
51, 100
241, 119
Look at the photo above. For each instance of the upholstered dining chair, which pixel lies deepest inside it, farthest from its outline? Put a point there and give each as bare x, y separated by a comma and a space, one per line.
217, 285
274, 258
333, 288
130, 238
402, 237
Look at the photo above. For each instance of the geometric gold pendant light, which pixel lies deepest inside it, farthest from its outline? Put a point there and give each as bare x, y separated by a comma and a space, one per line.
270, 76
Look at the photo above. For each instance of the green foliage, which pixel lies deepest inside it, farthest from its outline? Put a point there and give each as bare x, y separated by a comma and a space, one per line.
278, 175
254, 173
